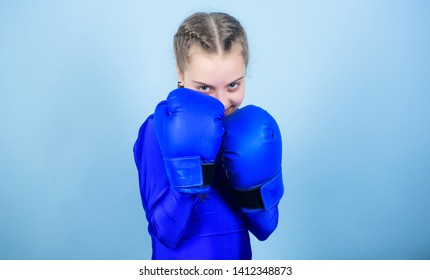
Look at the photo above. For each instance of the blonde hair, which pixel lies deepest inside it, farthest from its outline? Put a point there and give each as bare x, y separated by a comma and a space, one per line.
214, 33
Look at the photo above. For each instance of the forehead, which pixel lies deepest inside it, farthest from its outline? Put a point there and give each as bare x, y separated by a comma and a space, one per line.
220, 67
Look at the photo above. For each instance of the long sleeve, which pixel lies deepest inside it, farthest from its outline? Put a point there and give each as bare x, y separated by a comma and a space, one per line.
168, 212
187, 226
262, 223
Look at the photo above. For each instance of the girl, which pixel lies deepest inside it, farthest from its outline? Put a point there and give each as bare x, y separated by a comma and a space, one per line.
209, 173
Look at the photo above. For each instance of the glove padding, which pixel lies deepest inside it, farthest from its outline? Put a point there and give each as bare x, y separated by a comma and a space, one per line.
188, 127
252, 156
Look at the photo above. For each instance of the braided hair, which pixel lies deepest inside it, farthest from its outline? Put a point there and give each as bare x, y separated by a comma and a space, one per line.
214, 33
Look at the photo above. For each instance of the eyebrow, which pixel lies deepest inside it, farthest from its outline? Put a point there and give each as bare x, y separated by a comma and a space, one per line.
205, 84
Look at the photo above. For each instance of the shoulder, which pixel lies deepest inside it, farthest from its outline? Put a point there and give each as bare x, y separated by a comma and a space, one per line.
147, 127
146, 141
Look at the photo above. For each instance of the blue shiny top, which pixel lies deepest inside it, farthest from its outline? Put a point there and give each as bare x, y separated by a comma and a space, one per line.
193, 226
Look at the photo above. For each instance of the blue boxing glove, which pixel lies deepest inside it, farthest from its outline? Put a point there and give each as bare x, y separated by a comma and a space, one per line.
188, 127
252, 156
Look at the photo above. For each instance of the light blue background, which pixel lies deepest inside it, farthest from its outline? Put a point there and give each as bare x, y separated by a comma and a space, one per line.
348, 82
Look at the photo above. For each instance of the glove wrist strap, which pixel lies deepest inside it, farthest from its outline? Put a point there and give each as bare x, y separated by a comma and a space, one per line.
189, 174
262, 197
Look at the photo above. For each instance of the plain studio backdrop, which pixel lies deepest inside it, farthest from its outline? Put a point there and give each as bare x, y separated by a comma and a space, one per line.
347, 81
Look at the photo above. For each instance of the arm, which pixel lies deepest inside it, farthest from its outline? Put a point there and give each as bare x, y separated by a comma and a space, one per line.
262, 223
175, 155
160, 201
252, 156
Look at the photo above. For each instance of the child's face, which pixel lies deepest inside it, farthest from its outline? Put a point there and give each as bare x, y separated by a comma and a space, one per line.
220, 76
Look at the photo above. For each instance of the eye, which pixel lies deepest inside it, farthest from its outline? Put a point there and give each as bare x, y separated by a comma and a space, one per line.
204, 88
233, 86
